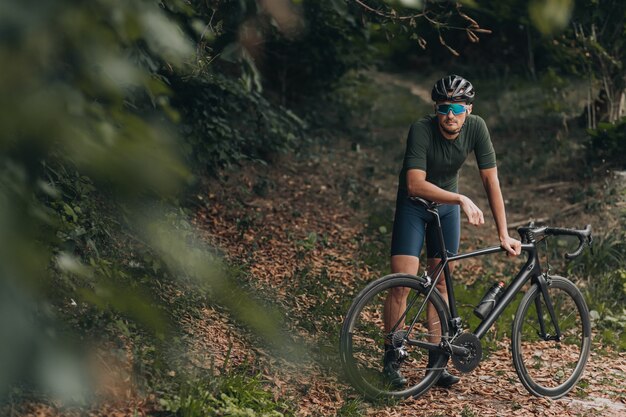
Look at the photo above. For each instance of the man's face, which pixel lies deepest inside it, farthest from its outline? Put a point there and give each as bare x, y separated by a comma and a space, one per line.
451, 123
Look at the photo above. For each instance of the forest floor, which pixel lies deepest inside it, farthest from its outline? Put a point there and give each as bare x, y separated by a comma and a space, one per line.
310, 230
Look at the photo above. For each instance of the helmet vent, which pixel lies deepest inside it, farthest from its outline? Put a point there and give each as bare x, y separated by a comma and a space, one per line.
453, 88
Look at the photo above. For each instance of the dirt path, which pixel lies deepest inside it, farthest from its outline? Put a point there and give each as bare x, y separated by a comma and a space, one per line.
300, 227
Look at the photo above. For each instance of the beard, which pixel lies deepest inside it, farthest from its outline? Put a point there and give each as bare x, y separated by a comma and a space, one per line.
448, 130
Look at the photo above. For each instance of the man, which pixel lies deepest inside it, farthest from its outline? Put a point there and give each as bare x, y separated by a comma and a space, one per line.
437, 147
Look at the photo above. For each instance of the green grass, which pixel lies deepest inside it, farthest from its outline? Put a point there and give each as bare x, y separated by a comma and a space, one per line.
238, 393
375, 249
351, 408
580, 390
467, 412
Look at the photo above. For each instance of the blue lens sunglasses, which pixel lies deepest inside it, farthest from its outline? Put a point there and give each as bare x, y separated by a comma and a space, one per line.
455, 107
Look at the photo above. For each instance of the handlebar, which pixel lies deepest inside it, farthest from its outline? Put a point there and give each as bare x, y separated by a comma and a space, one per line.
583, 235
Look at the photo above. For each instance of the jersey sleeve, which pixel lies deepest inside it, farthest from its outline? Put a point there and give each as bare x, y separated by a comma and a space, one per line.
483, 148
417, 146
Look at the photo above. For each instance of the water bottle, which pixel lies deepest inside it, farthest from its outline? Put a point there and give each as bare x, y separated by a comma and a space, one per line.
489, 300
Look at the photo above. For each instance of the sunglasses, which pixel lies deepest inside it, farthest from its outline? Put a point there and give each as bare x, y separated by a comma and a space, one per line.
455, 107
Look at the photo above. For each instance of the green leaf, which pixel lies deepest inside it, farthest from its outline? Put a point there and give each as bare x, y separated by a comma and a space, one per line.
70, 212
550, 16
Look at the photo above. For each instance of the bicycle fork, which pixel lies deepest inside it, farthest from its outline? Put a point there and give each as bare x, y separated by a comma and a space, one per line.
543, 280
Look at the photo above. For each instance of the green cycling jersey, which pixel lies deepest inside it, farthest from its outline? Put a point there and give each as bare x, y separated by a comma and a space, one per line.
442, 158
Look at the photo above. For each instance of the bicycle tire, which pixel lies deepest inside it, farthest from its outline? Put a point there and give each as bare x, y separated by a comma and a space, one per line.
551, 368
362, 337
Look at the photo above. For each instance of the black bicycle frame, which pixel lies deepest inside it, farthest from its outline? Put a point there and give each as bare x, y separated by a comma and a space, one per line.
530, 270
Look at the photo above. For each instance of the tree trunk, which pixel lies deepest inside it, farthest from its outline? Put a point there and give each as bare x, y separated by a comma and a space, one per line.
608, 106
612, 106
620, 106
531, 55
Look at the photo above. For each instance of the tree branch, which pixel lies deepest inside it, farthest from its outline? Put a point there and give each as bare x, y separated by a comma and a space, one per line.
387, 15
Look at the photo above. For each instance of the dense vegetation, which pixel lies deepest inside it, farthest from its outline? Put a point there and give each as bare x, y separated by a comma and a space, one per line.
112, 112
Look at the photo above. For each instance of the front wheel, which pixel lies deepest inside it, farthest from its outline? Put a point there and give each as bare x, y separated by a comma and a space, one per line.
363, 337
548, 367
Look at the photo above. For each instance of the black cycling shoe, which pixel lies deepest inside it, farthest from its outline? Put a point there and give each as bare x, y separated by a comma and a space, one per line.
446, 379
391, 367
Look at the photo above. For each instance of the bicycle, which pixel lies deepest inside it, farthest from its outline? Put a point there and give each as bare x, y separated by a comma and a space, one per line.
551, 330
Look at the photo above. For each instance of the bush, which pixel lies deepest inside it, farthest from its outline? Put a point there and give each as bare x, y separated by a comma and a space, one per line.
604, 283
608, 143
225, 124
333, 41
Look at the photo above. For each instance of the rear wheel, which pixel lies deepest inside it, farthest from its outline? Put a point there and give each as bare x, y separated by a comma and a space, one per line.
551, 368
363, 337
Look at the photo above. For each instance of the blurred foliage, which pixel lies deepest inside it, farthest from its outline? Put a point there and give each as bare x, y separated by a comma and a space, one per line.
93, 162
292, 48
550, 16
73, 149
592, 47
90, 170
332, 40
607, 144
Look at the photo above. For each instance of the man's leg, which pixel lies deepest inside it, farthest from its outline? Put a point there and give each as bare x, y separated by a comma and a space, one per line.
409, 228
434, 327
395, 304
433, 324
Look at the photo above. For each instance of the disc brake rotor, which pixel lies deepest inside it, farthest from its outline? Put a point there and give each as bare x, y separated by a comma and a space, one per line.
470, 342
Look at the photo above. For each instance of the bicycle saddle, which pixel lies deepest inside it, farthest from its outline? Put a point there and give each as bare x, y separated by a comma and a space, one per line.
430, 205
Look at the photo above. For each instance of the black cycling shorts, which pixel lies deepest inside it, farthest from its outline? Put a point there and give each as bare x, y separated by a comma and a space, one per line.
412, 224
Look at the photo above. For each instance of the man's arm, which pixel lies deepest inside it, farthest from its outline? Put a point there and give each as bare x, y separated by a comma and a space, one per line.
491, 183
418, 186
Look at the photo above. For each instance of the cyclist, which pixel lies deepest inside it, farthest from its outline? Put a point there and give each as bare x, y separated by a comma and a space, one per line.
437, 146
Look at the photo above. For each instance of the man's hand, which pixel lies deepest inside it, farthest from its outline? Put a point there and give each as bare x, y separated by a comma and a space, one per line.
512, 246
471, 210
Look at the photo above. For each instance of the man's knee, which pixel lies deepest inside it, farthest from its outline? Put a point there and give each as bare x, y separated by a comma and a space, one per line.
406, 264
400, 293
